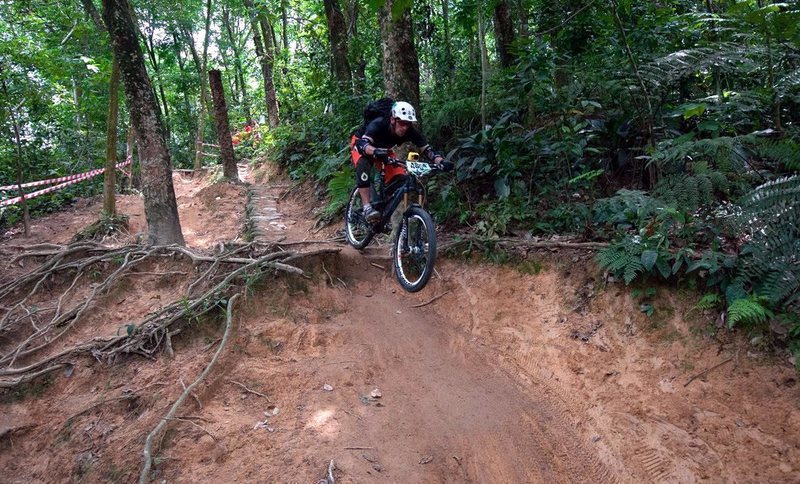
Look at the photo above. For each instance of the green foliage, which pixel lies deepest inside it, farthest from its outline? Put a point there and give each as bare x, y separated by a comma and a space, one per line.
340, 186
627, 209
709, 301
623, 258
750, 311
769, 263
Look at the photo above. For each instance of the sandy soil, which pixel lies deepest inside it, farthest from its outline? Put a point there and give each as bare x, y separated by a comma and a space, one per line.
512, 375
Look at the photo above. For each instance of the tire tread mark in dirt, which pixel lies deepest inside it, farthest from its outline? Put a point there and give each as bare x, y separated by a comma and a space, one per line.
558, 415
656, 465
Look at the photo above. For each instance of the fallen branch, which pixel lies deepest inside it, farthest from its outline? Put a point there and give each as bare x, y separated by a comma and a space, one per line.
526, 243
706, 371
148, 461
430, 301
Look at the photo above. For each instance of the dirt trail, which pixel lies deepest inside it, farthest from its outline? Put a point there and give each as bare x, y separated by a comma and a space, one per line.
512, 376
444, 399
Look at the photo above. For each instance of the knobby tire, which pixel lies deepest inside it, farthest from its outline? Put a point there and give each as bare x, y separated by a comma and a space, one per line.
415, 250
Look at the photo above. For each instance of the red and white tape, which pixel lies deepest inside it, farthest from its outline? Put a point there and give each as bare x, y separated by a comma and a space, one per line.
73, 179
62, 179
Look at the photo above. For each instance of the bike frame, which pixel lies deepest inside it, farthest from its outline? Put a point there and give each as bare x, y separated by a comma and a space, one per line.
401, 195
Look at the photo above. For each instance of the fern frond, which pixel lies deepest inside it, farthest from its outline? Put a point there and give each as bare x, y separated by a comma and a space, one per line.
689, 192
725, 57
708, 301
774, 197
770, 261
622, 258
748, 311
782, 152
787, 83
339, 188
726, 153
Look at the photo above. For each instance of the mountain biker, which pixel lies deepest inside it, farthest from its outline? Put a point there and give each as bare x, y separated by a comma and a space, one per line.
379, 136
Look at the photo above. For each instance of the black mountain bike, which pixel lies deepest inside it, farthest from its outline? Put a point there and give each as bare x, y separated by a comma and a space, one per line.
414, 249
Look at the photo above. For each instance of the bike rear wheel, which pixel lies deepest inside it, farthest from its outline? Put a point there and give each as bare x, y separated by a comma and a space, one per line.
356, 229
415, 250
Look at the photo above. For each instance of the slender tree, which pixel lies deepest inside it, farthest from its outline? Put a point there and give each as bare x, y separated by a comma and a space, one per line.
359, 61
161, 209
109, 178
237, 62
18, 145
265, 53
337, 34
201, 65
151, 53
223, 126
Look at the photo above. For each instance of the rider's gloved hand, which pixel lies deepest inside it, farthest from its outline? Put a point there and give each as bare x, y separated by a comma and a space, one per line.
446, 165
381, 154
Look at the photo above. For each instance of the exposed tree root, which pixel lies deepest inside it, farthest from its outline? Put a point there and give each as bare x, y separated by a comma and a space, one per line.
148, 459
27, 330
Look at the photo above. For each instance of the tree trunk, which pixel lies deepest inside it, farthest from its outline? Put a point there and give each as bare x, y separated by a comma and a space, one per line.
337, 34
151, 51
504, 32
161, 209
201, 64
400, 62
285, 24
223, 127
522, 18
448, 51
484, 63
261, 30
109, 178
26, 222
237, 61
176, 43
360, 75
129, 154
268, 61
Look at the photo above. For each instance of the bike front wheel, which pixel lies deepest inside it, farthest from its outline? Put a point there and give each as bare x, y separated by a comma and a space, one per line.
356, 228
415, 250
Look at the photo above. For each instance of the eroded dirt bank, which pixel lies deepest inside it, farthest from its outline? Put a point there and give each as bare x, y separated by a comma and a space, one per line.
508, 377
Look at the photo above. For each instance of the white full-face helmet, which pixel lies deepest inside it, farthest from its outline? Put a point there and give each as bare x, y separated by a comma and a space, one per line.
404, 111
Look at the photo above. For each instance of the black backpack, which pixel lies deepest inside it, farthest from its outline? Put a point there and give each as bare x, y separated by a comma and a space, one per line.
382, 108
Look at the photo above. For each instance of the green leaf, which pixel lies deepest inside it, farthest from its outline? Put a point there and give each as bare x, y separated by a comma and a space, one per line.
710, 126
663, 268
692, 110
649, 258
502, 188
